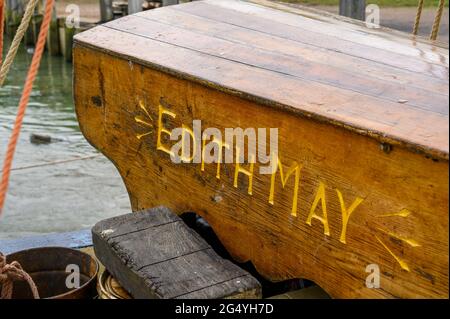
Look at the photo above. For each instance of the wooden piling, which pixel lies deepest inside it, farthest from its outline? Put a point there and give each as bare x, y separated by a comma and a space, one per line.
106, 10
135, 6
355, 9
14, 13
53, 36
65, 35
69, 32
32, 34
169, 2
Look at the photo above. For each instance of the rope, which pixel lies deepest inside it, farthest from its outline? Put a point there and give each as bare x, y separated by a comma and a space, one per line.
2, 26
418, 16
24, 101
14, 272
55, 162
437, 20
17, 39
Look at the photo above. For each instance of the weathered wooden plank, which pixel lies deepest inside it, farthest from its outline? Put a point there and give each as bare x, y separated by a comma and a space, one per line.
202, 275
296, 67
333, 29
354, 26
296, 50
408, 58
125, 224
155, 255
395, 123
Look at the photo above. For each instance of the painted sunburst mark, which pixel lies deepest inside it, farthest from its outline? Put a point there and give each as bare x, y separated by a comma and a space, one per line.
411, 242
402, 263
144, 122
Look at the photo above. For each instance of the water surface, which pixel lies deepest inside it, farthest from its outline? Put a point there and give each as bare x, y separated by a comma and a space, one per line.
54, 198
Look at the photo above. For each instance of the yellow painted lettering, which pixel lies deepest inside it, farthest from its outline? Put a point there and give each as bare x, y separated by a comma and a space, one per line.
320, 196
238, 169
346, 213
220, 146
184, 151
161, 129
293, 168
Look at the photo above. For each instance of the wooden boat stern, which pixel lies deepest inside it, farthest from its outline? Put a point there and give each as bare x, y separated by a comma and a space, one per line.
361, 176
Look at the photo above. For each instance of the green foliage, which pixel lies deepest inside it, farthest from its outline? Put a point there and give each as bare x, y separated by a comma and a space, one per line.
384, 3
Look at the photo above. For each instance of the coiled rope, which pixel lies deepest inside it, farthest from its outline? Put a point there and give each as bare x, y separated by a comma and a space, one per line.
24, 100
14, 272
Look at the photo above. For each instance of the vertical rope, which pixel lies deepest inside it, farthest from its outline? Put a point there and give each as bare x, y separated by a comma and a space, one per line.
437, 20
418, 16
24, 101
24, 23
2, 28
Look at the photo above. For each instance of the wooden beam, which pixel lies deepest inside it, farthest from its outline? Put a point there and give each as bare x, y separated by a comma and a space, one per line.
154, 254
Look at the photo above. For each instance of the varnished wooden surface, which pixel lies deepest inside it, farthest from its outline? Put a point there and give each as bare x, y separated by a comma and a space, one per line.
352, 24
329, 126
153, 254
388, 87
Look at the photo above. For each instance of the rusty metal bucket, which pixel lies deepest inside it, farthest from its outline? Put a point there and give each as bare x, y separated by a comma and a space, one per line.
47, 266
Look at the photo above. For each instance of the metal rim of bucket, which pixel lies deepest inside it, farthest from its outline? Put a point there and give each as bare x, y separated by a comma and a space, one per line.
66, 295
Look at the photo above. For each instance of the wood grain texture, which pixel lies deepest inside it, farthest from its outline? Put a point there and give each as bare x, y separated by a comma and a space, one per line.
332, 131
302, 52
420, 126
322, 35
351, 24
296, 67
153, 254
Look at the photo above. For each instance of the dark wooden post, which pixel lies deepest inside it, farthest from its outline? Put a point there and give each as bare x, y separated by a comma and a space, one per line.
14, 13
134, 6
355, 9
53, 34
106, 10
169, 2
